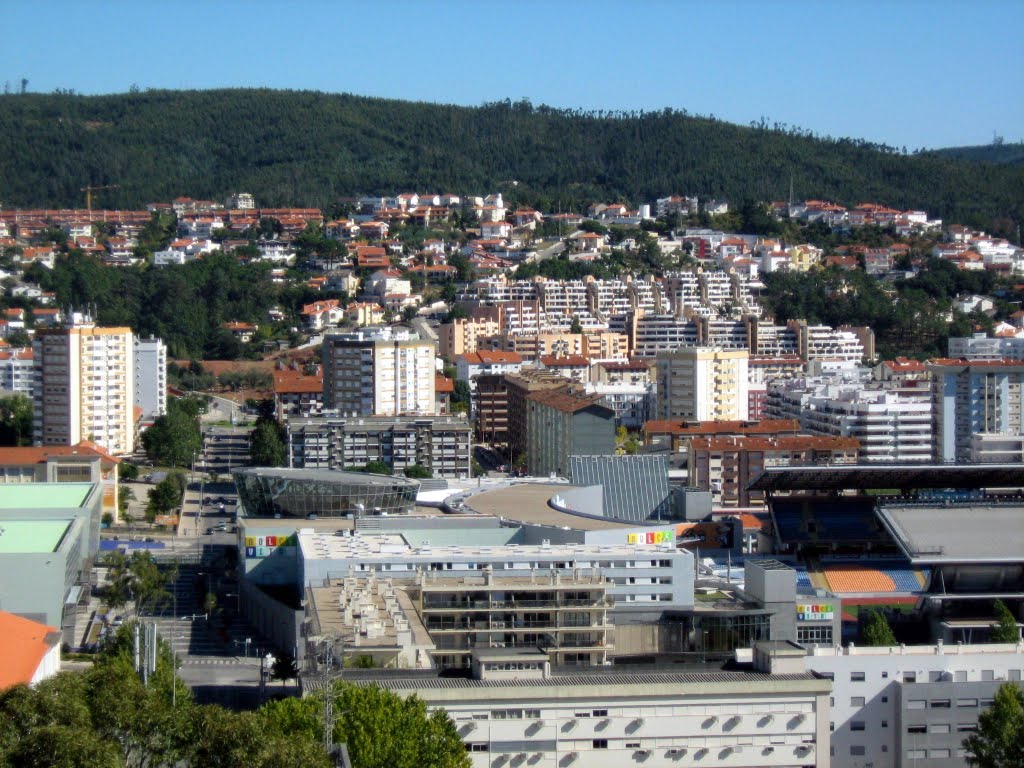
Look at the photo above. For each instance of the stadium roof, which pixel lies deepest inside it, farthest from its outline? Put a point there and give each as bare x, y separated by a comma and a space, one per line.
963, 533
892, 476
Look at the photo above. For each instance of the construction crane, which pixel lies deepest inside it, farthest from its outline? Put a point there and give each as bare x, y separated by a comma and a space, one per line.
90, 189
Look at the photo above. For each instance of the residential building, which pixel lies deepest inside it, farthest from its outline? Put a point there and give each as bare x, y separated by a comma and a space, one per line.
378, 373
703, 384
904, 706
150, 363
979, 397
518, 709
471, 365
518, 388
893, 425
84, 386
727, 465
443, 445
30, 650
461, 336
491, 403
633, 403
980, 347
677, 433
16, 371
562, 423
298, 391
241, 201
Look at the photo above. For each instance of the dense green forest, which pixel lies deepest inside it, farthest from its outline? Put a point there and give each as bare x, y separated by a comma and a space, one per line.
308, 148
997, 153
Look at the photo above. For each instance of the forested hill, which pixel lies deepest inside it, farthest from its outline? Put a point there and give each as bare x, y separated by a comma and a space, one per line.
307, 148
997, 153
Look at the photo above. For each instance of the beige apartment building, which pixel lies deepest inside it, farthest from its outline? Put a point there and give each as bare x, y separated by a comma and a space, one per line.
84, 387
379, 374
703, 384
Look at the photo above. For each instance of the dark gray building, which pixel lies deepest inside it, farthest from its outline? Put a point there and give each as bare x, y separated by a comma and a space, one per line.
562, 423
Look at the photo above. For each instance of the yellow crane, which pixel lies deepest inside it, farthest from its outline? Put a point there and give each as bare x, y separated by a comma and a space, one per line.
90, 189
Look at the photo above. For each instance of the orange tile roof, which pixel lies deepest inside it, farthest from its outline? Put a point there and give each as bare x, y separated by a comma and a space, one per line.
564, 361
775, 443
442, 384
698, 428
487, 356
23, 644
290, 381
25, 455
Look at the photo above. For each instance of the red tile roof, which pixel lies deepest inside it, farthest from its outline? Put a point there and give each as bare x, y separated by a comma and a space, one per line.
487, 357
443, 385
23, 644
26, 455
290, 381
701, 428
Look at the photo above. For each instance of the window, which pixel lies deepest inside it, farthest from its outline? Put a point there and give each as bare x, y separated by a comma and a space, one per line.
600, 713
967, 702
532, 714
856, 701
885, 723
600, 743
967, 728
857, 750
581, 714
885, 699
856, 677
916, 704
938, 753
910, 677
917, 729
938, 728
632, 745
916, 754
940, 704
856, 725
476, 747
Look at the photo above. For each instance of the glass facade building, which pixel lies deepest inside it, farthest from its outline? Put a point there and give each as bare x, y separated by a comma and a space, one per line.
266, 492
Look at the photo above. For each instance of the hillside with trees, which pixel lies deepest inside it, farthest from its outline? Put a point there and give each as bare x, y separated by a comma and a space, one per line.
309, 148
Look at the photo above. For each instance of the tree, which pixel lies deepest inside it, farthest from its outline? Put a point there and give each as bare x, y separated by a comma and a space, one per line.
165, 496
377, 468
284, 668
1006, 630
266, 445
383, 730
417, 472
999, 741
210, 604
877, 631
15, 420
461, 397
574, 326
174, 439
127, 472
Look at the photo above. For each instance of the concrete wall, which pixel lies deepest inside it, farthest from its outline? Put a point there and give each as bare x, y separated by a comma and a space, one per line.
33, 586
277, 621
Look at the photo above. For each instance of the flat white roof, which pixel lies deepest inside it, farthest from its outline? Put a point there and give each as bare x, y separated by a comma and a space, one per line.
323, 546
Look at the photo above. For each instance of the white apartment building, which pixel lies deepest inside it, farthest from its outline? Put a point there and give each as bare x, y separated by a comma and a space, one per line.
633, 403
703, 384
641, 576
975, 397
980, 347
378, 373
516, 710
150, 377
892, 424
654, 334
16, 371
903, 706
84, 386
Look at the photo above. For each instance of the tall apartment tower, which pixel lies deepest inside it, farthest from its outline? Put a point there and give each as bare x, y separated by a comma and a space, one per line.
703, 384
379, 373
977, 410
84, 386
150, 378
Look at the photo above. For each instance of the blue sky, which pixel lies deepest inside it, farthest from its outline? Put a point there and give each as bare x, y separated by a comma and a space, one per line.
908, 73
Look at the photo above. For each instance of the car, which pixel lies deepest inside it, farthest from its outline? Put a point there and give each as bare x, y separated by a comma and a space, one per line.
117, 622
206, 500
222, 527
209, 531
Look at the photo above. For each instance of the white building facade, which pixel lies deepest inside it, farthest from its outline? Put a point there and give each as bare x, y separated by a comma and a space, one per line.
150, 377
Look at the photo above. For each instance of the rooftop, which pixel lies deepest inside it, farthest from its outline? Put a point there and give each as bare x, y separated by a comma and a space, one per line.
766, 426
23, 643
961, 533
905, 476
528, 503
31, 536
24, 496
327, 476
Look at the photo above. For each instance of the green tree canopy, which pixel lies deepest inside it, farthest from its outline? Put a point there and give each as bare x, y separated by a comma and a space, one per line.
175, 439
417, 472
15, 420
877, 631
999, 741
266, 445
1006, 630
